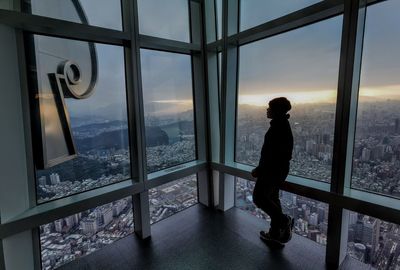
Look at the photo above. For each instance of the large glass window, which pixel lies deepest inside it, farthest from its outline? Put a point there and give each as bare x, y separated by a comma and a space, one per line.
80, 115
303, 66
255, 12
376, 157
103, 13
373, 242
69, 238
168, 109
170, 198
310, 216
165, 19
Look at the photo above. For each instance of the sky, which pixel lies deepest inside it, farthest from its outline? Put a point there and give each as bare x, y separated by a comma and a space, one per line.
302, 64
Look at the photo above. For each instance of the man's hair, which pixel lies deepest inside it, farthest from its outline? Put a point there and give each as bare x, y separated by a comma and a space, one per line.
280, 105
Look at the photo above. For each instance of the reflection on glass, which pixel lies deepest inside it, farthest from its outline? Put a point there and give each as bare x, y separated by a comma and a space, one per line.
376, 157
170, 198
219, 79
311, 217
373, 242
301, 65
164, 19
72, 237
168, 109
103, 13
218, 14
98, 123
255, 12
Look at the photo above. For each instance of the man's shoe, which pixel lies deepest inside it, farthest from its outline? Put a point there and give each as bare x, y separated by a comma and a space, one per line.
286, 232
271, 241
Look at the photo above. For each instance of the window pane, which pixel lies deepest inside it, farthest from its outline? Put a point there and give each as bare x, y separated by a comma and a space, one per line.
170, 198
373, 242
165, 19
97, 123
255, 12
69, 238
218, 14
301, 65
103, 13
168, 108
311, 216
377, 141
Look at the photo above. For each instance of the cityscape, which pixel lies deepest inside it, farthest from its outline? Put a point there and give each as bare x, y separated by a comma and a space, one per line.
311, 217
69, 238
104, 159
173, 197
375, 169
376, 156
104, 156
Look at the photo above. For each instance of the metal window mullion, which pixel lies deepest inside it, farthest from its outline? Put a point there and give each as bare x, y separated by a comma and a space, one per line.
337, 219
2, 262
228, 102
62, 29
140, 200
199, 101
156, 43
36, 248
308, 15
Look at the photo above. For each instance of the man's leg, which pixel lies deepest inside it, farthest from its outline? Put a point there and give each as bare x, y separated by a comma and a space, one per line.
266, 197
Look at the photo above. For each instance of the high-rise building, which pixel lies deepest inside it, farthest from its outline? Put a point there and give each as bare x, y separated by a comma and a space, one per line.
54, 178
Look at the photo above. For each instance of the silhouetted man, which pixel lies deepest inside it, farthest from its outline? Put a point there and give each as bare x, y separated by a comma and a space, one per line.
273, 169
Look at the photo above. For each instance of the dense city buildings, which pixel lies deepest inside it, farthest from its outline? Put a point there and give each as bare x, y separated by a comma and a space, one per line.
172, 197
69, 238
311, 217
375, 169
312, 126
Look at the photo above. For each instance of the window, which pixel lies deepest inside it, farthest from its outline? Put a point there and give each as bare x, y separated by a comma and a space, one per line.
103, 13
170, 198
85, 139
255, 12
311, 217
168, 109
373, 241
303, 66
218, 14
69, 238
165, 19
376, 153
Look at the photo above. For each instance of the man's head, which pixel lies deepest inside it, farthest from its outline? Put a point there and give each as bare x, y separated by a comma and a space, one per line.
278, 107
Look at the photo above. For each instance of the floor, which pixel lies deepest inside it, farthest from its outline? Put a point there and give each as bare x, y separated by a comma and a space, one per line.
200, 238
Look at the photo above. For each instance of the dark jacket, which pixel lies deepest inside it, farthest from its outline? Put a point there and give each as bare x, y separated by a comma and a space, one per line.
277, 149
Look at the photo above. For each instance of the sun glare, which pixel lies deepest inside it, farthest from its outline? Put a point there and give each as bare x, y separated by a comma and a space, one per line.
328, 96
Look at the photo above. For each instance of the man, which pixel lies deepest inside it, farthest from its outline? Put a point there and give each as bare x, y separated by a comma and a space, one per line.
273, 169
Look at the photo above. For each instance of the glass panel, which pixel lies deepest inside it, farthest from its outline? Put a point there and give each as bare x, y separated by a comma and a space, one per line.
255, 12
173, 197
6, 5
168, 109
96, 121
72, 237
219, 79
165, 19
376, 155
303, 66
218, 14
103, 13
373, 242
311, 216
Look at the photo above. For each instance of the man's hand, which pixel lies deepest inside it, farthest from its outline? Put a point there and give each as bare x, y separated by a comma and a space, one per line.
254, 173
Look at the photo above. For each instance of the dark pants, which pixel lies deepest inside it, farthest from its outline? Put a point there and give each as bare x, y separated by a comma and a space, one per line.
266, 197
